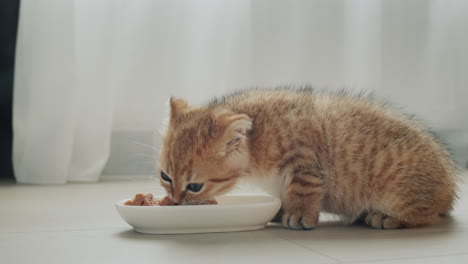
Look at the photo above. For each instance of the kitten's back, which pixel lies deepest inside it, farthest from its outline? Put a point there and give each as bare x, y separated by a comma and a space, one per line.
372, 157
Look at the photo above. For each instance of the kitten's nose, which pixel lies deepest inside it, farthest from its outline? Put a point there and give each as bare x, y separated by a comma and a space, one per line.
174, 201
176, 197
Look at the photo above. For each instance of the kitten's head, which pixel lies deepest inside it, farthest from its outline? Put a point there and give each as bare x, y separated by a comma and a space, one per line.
204, 152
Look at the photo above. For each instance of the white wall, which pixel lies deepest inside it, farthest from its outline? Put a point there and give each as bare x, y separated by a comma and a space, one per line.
93, 74
413, 53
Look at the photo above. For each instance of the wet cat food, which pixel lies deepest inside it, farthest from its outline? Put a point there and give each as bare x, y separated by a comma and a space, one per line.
149, 200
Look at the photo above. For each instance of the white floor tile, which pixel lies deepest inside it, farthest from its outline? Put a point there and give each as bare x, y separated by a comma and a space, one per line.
27, 208
375, 247
77, 223
125, 246
360, 243
451, 259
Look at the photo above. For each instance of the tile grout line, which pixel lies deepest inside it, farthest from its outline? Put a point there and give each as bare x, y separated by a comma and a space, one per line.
58, 231
337, 261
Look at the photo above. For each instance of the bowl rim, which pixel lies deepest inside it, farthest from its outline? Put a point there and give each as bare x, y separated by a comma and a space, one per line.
274, 200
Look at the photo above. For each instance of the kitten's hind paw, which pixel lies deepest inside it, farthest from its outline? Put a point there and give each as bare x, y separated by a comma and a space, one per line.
299, 221
382, 221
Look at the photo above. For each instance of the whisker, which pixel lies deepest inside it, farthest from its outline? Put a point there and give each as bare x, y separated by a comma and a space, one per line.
143, 164
145, 155
152, 164
148, 162
154, 179
146, 145
141, 179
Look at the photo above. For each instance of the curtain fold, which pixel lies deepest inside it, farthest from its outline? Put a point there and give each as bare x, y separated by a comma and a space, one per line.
43, 92
85, 69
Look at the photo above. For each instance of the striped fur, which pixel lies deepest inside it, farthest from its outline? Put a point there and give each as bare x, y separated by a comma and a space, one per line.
348, 155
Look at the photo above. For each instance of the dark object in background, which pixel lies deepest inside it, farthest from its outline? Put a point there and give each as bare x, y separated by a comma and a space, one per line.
9, 10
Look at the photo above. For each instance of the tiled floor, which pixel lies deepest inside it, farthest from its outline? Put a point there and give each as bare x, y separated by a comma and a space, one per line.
77, 223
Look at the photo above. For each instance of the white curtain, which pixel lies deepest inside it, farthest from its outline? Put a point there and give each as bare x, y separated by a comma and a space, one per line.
89, 69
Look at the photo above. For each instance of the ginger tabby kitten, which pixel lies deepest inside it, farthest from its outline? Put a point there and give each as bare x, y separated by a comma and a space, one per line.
325, 152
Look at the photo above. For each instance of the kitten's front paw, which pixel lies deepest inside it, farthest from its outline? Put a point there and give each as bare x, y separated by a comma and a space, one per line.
299, 221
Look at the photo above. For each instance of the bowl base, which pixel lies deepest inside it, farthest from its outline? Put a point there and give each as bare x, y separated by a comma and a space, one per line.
198, 230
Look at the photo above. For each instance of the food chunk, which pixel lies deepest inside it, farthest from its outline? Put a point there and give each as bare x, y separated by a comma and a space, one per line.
142, 200
149, 200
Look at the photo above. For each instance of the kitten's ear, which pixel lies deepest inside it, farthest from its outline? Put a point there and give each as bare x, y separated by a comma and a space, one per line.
236, 132
178, 105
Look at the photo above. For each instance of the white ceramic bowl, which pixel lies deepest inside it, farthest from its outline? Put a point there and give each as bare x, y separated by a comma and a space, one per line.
232, 213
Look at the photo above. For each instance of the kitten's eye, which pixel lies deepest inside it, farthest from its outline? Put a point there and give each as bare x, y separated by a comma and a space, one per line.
165, 177
194, 187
